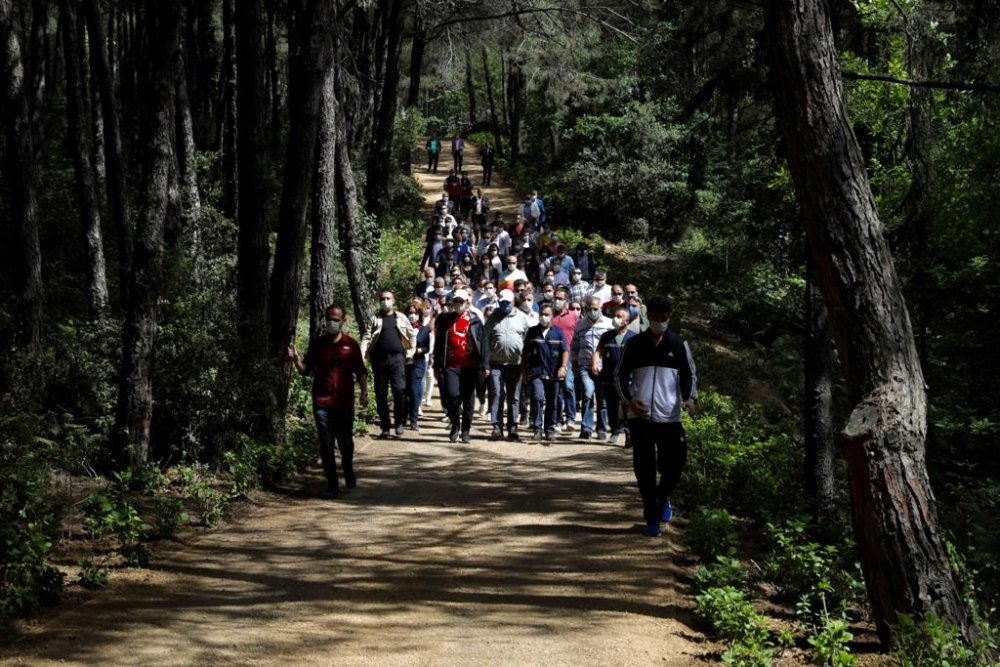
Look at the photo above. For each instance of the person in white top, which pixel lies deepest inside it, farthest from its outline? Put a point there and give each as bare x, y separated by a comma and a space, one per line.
600, 287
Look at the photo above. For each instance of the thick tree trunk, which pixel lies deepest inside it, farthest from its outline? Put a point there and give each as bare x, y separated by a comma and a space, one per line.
324, 207
516, 93
819, 441
310, 58
135, 394
190, 198
494, 120
113, 148
90, 212
417, 48
93, 96
20, 173
380, 166
253, 250
903, 556
470, 86
226, 136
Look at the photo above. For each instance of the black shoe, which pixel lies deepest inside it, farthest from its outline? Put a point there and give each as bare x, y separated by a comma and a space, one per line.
514, 437
496, 434
350, 479
416, 426
384, 435
453, 436
585, 435
330, 493
466, 436
399, 430
538, 435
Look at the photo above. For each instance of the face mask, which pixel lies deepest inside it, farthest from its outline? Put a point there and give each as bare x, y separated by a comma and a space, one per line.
657, 327
598, 283
491, 291
387, 305
506, 307
593, 314
544, 320
560, 304
575, 277
548, 296
333, 327
413, 318
617, 298
458, 307
633, 311
439, 291
620, 322
525, 306
427, 316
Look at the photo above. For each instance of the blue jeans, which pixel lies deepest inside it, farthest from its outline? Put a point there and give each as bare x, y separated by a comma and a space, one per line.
506, 381
338, 425
589, 392
414, 389
568, 395
546, 407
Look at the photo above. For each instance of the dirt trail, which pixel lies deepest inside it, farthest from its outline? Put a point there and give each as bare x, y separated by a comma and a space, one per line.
445, 554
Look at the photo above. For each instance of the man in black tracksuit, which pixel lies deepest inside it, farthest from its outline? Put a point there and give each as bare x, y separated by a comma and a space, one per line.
655, 379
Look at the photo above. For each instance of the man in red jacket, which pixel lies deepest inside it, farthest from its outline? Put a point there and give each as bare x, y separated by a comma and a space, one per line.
335, 362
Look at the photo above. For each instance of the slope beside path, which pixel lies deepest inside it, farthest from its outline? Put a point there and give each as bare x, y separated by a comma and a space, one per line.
445, 554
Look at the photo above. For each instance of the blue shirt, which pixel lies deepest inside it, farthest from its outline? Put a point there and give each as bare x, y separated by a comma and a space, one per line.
544, 350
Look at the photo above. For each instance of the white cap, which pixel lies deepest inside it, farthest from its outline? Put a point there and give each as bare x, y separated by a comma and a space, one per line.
460, 294
506, 295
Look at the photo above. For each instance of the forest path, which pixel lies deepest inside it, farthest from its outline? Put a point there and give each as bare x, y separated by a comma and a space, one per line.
445, 554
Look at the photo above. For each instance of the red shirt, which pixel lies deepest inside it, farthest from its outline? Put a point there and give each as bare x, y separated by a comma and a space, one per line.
460, 353
567, 322
334, 365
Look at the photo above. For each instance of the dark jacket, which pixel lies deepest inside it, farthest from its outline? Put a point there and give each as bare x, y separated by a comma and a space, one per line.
543, 351
661, 375
477, 340
421, 351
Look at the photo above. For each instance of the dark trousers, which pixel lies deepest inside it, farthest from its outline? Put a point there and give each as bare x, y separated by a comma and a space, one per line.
458, 155
657, 448
614, 403
546, 407
460, 394
335, 425
389, 373
432, 162
414, 389
487, 173
506, 382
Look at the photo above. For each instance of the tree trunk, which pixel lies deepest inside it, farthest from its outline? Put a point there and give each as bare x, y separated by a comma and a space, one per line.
117, 192
90, 213
470, 87
323, 211
253, 250
189, 208
417, 48
494, 121
515, 91
819, 442
135, 394
20, 174
226, 136
310, 57
903, 556
380, 166
93, 97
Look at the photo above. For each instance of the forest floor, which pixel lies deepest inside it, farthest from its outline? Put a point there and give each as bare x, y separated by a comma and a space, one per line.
479, 554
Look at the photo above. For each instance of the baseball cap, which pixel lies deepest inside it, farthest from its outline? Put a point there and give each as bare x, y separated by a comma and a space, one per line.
460, 294
506, 295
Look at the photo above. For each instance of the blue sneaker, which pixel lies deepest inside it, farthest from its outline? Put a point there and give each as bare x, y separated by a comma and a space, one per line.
652, 529
668, 512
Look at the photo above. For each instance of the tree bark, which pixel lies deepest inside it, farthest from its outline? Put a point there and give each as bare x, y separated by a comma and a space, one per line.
93, 97
494, 120
226, 136
117, 192
515, 93
470, 87
190, 198
895, 521
324, 206
417, 47
310, 57
135, 394
253, 250
380, 166
819, 441
90, 213
21, 181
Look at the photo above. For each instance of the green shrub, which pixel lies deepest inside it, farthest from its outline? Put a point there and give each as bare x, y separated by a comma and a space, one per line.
749, 654
169, 515
927, 640
710, 533
725, 571
93, 574
117, 518
830, 644
732, 616
208, 501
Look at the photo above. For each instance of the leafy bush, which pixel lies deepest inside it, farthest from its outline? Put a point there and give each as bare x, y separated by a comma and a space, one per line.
118, 519
209, 502
927, 640
710, 534
725, 571
169, 515
93, 574
732, 616
830, 644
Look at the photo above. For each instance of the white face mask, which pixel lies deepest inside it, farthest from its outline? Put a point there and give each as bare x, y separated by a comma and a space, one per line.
413, 318
544, 320
333, 327
657, 327
560, 304
458, 307
617, 298
491, 291
386, 305
620, 322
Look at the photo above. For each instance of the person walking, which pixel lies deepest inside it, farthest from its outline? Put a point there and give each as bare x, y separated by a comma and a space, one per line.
564, 317
389, 343
433, 153
545, 357
458, 150
337, 365
416, 367
505, 330
656, 378
604, 365
461, 354
586, 335
488, 158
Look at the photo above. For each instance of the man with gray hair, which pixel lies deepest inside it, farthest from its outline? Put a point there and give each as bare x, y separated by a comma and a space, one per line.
505, 331
586, 335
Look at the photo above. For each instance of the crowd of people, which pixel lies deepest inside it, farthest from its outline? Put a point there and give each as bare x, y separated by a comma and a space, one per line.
515, 328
